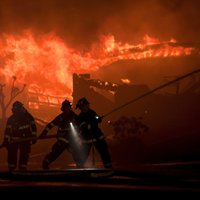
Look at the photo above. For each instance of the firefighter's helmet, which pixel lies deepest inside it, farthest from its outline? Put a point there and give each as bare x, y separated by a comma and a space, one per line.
65, 103
81, 102
17, 105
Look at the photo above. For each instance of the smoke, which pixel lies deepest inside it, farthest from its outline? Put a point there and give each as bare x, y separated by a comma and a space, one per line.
159, 18
80, 22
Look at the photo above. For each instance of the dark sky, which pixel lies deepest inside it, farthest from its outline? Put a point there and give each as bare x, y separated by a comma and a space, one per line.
81, 22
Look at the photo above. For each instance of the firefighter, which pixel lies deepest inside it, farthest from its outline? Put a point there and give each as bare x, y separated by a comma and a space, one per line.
20, 125
67, 136
90, 133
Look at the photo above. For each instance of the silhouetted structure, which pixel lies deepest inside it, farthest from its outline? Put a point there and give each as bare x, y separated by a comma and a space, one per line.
172, 115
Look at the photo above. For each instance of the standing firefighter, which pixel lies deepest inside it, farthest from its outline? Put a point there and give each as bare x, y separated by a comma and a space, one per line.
90, 132
67, 135
20, 125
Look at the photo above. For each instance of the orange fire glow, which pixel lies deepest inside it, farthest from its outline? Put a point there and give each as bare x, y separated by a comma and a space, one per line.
125, 81
46, 63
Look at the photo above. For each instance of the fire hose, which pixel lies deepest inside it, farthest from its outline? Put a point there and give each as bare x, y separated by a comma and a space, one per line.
118, 108
29, 139
151, 91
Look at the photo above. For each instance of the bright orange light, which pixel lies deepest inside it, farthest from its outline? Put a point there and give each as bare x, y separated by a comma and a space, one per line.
45, 63
125, 80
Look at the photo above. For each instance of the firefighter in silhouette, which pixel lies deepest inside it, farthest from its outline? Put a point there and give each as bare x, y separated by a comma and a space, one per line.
20, 125
91, 134
67, 135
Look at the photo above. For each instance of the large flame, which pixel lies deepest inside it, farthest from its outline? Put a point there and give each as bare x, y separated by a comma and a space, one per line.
46, 63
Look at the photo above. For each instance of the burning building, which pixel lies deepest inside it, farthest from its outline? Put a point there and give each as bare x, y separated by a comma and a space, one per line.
120, 71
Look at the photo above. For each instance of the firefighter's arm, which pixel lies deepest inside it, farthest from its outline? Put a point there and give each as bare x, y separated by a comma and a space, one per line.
7, 134
47, 128
98, 118
44, 132
34, 131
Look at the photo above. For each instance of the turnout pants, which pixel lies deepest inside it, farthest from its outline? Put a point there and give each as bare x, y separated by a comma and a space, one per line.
102, 148
24, 149
57, 149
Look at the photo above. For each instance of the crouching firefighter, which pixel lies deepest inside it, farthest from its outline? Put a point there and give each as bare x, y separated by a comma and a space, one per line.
67, 136
20, 125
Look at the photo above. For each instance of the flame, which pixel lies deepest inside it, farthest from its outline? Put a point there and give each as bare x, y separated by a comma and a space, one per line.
125, 80
46, 63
